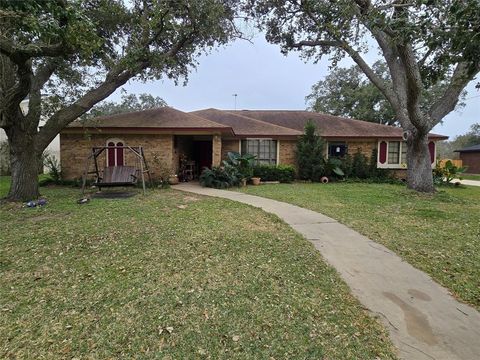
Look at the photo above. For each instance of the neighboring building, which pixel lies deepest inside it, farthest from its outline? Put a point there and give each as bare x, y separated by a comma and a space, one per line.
470, 157
206, 136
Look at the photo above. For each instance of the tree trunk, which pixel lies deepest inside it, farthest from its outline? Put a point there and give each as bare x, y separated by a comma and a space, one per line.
419, 173
25, 163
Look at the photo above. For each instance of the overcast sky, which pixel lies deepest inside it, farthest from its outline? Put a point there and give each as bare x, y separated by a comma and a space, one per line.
265, 79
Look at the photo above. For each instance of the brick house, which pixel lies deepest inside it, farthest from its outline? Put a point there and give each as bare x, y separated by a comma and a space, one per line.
206, 136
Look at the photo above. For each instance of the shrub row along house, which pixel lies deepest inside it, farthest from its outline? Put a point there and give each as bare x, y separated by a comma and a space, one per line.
169, 136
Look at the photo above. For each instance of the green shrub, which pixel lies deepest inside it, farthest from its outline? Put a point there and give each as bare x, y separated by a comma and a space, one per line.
243, 163
282, 173
220, 177
359, 167
446, 173
309, 154
53, 166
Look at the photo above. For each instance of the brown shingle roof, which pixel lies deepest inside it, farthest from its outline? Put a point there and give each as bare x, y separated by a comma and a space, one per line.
163, 118
245, 126
327, 125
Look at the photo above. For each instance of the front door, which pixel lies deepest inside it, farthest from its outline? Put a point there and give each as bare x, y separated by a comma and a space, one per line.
202, 151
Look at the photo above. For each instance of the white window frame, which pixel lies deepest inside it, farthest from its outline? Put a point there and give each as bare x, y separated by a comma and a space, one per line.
276, 144
399, 165
115, 141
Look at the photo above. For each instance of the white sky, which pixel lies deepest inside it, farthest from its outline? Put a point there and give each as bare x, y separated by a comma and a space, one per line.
265, 79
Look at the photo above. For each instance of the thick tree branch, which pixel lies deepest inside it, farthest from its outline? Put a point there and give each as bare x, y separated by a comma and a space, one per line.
13, 96
462, 75
414, 87
42, 75
20, 54
114, 79
355, 55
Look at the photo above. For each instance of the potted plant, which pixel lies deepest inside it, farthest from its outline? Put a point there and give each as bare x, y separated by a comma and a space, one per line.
256, 180
173, 179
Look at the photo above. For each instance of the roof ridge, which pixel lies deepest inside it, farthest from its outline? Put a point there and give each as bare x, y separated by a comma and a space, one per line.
337, 117
259, 121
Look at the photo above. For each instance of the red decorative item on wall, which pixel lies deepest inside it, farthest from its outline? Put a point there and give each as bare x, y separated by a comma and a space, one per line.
111, 154
431, 149
382, 158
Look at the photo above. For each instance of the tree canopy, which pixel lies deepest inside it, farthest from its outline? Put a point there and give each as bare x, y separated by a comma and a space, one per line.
127, 103
66, 56
348, 92
422, 42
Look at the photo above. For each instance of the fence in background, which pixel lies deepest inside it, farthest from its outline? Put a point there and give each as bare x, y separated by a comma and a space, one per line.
457, 163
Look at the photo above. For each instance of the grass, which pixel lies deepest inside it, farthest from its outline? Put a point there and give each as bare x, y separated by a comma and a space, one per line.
439, 234
471, 177
170, 276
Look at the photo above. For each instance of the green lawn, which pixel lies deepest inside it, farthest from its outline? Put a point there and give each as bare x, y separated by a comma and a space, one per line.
170, 276
471, 177
439, 233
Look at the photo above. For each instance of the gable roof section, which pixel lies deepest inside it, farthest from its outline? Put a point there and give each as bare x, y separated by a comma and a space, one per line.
473, 148
160, 118
245, 126
328, 125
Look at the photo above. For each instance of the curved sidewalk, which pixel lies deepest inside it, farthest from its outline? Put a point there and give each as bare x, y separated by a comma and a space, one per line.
424, 320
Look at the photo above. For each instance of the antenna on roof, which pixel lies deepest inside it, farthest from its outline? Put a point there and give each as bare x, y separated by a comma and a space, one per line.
235, 101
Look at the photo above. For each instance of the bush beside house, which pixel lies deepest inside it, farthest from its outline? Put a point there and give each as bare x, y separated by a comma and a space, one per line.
281, 173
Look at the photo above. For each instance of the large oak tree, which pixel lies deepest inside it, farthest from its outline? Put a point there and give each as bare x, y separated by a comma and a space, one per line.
66, 56
423, 42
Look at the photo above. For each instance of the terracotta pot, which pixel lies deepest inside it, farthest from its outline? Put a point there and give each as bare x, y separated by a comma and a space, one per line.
255, 180
324, 180
173, 179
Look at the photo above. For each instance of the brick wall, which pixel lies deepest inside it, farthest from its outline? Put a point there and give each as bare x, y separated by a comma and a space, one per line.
75, 148
287, 152
364, 146
216, 150
229, 145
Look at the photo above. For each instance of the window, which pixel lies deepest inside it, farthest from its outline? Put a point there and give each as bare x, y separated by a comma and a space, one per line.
403, 158
115, 152
264, 149
337, 149
393, 152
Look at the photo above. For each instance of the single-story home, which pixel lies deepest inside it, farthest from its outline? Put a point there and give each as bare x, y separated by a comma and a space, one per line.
204, 137
470, 157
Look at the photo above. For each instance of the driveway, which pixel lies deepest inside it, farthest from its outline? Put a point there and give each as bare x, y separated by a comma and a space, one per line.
424, 320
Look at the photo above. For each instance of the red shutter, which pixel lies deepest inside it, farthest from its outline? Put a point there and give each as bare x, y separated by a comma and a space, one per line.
119, 155
431, 149
111, 155
382, 158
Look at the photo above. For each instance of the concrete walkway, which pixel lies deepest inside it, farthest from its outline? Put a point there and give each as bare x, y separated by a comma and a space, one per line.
469, 182
424, 320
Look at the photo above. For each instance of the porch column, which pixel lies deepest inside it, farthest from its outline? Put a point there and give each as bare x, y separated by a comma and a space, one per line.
216, 150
